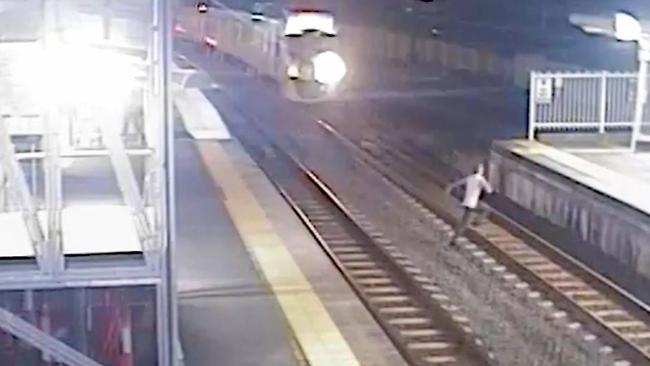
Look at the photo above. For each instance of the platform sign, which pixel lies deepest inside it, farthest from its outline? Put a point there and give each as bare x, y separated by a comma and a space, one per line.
543, 90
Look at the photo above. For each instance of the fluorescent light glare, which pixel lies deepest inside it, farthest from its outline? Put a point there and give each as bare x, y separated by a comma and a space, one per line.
627, 28
86, 75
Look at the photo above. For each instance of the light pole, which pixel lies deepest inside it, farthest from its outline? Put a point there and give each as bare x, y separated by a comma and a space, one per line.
625, 28
641, 90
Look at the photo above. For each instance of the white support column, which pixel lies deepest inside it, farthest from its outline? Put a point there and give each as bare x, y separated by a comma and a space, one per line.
151, 166
53, 252
532, 113
641, 90
167, 318
152, 128
602, 112
3, 190
126, 180
53, 196
16, 178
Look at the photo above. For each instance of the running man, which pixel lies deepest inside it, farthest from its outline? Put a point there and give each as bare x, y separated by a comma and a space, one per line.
475, 185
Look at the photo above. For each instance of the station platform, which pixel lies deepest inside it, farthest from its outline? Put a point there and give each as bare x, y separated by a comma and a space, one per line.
254, 287
598, 196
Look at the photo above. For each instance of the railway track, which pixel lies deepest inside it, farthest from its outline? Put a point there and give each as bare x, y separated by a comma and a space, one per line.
424, 326
592, 302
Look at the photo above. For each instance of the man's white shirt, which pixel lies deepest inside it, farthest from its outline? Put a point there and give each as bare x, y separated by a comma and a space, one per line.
474, 185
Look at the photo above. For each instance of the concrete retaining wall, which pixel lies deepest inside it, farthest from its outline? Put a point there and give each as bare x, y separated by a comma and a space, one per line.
611, 237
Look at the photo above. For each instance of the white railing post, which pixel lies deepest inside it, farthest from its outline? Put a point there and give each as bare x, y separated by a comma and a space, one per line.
641, 90
17, 182
603, 102
531, 107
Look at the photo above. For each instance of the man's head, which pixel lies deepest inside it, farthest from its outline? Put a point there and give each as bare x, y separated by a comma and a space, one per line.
480, 169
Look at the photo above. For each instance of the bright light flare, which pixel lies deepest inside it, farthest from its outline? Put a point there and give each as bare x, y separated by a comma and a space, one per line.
83, 75
627, 28
329, 68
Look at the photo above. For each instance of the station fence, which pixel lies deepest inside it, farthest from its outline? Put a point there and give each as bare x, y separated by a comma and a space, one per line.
588, 101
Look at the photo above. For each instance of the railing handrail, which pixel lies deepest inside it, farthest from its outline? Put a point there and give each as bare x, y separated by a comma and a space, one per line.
582, 100
583, 74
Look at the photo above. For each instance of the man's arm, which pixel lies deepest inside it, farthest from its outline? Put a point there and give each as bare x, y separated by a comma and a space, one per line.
486, 185
455, 184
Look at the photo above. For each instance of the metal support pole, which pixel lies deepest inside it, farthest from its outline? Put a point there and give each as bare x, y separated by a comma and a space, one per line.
641, 90
167, 319
107, 18
126, 178
52, 184
53, 197
34, 172
531, 107
603, 102
4, 187
15, 176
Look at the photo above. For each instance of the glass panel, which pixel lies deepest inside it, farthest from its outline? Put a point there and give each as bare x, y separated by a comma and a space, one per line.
114, 326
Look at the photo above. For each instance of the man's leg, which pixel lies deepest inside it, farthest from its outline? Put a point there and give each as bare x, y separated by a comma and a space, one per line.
480, 215
462, 224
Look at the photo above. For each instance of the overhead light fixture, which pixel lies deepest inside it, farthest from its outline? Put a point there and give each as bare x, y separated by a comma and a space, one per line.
627, 28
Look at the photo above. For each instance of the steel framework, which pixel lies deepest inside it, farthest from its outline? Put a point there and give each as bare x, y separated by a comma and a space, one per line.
142, 169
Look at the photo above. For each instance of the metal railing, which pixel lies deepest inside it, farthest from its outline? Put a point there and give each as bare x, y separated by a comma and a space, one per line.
588, 101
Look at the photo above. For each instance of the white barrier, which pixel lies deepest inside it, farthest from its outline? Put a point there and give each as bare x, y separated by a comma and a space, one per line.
598, 101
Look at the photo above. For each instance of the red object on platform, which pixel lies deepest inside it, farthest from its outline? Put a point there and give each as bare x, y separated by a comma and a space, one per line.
117, 331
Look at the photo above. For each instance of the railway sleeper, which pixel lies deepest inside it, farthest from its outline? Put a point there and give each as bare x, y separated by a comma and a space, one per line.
526, 253
431, 346
645, 336
388, 299
566, 286
558, 276
540, 271
627, 324
440, 360
532, 260
582, 293
611, 312
383, 290
598, 303
421, 332
348, 249
399, 310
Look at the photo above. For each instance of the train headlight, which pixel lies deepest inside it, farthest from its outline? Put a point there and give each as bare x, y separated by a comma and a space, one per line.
329, 68
293, 72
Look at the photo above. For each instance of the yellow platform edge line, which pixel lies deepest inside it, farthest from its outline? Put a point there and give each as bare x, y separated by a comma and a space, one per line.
315, 331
